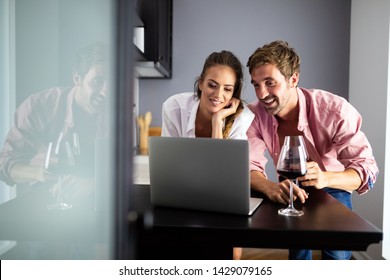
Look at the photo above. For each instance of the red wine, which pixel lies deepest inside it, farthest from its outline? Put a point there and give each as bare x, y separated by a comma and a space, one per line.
291, 174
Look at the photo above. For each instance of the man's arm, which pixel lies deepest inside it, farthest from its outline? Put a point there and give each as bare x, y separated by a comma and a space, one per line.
23, 173
348, 180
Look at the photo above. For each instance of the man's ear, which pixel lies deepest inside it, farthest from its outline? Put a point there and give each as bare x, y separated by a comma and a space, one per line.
76, 79
294, 80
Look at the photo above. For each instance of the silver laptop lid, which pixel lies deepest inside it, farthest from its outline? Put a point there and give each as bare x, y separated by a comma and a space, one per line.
200, 173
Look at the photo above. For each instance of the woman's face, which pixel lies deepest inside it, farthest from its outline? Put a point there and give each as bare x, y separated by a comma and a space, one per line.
217, 88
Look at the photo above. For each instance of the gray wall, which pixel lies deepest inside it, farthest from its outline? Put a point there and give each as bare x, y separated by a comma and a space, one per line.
317, 29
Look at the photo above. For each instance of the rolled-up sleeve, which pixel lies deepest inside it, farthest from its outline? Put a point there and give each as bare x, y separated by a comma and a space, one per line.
257, 148
16, 149
354, 149
20, 143
7, 160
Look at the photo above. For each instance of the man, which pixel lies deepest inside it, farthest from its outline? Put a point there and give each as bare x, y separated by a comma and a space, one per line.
58, 115
340, 156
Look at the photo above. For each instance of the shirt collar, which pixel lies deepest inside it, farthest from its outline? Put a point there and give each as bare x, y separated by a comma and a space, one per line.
69, 121
302, 119
192, 118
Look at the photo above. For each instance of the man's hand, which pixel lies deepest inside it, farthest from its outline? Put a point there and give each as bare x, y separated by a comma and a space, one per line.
348, 180
73, 186
298, 193
314, 176
23, 173
277, 192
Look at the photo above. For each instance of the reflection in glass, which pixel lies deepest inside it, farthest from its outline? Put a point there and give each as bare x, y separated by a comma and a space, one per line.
63, 92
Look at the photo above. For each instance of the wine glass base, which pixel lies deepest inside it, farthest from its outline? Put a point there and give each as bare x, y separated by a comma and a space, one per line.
59, 206
290, 212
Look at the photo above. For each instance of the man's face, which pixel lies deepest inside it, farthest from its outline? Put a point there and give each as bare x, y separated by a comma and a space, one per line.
92, 90
272, 89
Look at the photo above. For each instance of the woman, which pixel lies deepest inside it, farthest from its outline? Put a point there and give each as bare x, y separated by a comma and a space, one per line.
215, 110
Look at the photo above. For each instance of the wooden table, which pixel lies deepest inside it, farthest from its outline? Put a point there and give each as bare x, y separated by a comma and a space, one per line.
169, 233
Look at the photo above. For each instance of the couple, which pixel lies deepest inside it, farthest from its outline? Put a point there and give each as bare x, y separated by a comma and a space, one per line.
341, 156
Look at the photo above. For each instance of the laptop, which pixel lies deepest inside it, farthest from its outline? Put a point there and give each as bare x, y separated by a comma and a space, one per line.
201, 174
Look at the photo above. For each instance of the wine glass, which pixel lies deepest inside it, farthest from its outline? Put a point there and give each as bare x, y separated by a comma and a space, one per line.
58, 160
292, 164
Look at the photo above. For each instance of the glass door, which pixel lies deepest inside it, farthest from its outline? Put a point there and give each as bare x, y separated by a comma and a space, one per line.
71, 67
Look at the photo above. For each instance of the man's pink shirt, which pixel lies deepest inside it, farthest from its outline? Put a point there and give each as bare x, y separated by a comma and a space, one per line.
332, 130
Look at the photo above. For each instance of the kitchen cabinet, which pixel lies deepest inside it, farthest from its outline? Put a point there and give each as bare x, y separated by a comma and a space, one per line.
155, 59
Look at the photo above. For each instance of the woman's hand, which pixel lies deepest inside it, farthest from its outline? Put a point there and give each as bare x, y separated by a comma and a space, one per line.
217, 121
230, 109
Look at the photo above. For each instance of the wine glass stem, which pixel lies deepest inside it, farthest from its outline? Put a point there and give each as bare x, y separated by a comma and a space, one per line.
291, 195
59, 199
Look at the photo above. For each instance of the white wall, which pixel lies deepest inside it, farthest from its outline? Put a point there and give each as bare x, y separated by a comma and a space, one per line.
368, 84
7, 79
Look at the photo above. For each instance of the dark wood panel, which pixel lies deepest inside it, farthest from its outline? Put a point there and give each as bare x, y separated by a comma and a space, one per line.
326, 224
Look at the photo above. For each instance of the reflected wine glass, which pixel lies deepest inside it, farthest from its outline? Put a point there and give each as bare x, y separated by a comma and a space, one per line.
58, 160
291, 165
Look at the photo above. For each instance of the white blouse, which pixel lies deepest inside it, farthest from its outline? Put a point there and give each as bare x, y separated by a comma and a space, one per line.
179, 114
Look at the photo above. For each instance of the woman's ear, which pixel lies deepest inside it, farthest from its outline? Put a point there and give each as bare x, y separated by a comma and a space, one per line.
76, 79
200, 85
